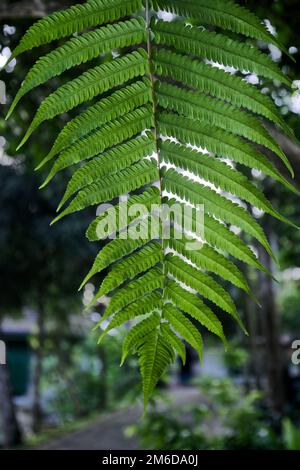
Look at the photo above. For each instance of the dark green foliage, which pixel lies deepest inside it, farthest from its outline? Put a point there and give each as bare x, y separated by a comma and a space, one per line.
159, 84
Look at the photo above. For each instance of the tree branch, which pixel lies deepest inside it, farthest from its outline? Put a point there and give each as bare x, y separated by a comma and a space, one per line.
32, 8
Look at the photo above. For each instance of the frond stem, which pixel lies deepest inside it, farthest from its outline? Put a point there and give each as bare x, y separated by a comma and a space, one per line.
152, 81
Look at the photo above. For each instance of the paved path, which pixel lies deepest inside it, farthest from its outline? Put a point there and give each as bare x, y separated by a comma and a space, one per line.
107, 431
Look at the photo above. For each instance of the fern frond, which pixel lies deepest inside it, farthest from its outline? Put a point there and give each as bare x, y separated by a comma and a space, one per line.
112, 252
123, 181
140, 204
220, 142
222, 13
174, 341
161, 82
64, 23
149, 282
221, 237
88, 85
109, 162
154, 357
135, 264
215, 205
117, 104
205, 285
140, 307
121, 212
80, 50
184, 327
224, 239
137, 332
218, 173
217, 83
210, 260
218, 48
105, 137
215, 113
193, 306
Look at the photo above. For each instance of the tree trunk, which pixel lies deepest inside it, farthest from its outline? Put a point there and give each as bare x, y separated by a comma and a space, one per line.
252, 368
63, 363
12, 433
251, 324
270, 321
36, 408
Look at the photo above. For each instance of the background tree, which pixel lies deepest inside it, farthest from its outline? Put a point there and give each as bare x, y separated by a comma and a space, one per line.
40, 268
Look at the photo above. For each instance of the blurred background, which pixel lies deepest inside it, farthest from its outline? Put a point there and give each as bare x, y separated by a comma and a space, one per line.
59, 390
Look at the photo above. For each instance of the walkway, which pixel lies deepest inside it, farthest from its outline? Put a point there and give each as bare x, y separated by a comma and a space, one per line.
107, 432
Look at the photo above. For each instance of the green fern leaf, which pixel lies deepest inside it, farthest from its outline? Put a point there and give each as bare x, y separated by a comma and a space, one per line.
64, 23
117, 104
215, 113
174, 341
217, 83
151, 280
80, 50
140, 307
139, 331
215, 205
218, 173
108, 163
88, 85
219, 142
205, 285
160, 82
184, 327
154, 356
218, 48
124, 181
209, 259
194, 307
223, 13
128, 268
121, 212
147, 283
221, 237
105, 137
114, 251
